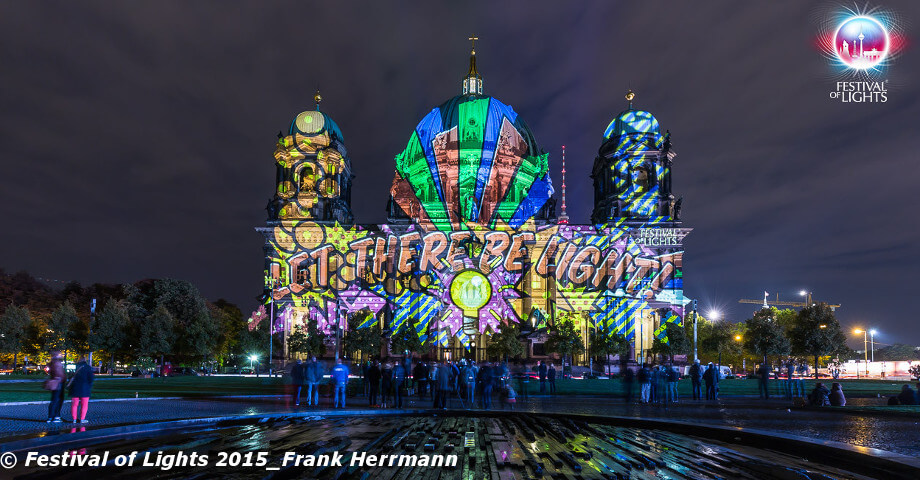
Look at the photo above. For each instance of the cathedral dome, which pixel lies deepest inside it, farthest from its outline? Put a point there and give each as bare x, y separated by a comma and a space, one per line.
632, 122
471, 160
314, 122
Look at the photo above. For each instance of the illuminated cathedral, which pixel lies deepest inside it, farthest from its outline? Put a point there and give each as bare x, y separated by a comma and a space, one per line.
472, 240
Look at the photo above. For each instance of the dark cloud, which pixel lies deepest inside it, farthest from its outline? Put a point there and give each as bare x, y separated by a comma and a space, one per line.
136, 138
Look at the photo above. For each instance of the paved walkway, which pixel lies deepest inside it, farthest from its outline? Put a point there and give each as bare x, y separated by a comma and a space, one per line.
899, 435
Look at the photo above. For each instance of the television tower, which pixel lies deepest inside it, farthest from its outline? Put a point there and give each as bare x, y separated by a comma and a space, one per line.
564, 218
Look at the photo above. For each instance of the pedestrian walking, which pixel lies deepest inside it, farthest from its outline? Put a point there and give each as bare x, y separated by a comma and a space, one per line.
788, 387
386, 383
340, 383
645, 383
653, 385
297, 381
801, 370
628, 378
399, 381
81, 384
55, 384
711, 379
524, 381
419, 376
444, 383
696, 379
313, 374
672, 378
763, 374
542, 374
485, 380
551, 377
468, 377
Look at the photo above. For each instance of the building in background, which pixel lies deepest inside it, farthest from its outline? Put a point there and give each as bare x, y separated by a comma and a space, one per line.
472, 240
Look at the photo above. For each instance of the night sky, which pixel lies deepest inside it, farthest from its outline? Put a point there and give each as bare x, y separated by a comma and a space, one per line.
136, 138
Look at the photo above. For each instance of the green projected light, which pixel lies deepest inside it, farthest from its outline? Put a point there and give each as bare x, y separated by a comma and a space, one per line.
470, 290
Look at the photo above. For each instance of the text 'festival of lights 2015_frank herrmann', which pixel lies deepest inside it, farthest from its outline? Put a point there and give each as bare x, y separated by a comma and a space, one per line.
473, 240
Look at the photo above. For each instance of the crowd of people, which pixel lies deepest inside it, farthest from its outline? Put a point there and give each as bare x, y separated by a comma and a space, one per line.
387, 384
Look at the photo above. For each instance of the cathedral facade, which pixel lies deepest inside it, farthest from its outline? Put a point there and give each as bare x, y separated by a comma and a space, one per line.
472, 240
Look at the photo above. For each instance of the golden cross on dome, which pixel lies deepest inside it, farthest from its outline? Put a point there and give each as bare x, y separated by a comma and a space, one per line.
629, 97
473, 39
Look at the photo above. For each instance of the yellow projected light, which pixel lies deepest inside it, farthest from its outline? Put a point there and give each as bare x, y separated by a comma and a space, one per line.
470, 290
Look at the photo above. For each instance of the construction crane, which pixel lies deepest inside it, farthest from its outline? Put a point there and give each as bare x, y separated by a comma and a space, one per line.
772, 303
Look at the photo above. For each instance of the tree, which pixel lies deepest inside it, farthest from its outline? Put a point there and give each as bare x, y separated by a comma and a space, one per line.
564, 339
604, 344
406, 340
109, 330
309, 340
817, 333
677, 342
765, 336
896, 352
58, 336
156, 334
366, 340
13, 324
720, 338
231, 325
196, 330
505, 342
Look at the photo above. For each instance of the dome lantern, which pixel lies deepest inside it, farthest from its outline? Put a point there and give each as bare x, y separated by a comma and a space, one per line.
472, 83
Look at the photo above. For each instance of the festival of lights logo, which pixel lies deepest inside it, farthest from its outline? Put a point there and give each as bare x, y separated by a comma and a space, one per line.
861, 42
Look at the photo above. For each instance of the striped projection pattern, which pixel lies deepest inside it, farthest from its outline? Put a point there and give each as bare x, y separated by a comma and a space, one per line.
471, 162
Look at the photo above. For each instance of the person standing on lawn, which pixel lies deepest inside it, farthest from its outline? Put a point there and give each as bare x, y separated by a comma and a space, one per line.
80, 386
55, 385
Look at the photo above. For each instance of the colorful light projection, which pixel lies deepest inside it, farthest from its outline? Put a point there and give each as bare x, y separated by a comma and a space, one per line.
460, 283
470, 163
636, 177
311, 168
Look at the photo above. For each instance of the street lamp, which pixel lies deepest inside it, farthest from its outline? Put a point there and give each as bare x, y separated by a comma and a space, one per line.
807, 295
252, 358
872, 342
714, 315
865, 347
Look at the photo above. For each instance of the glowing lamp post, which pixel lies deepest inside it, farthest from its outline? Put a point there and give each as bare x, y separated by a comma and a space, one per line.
865, 348
252, 358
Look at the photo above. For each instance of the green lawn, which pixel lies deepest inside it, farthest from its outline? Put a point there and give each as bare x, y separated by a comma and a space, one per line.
215, 386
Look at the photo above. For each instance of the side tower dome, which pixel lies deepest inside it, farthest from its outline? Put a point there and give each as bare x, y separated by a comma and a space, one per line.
313, 180
632, 171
